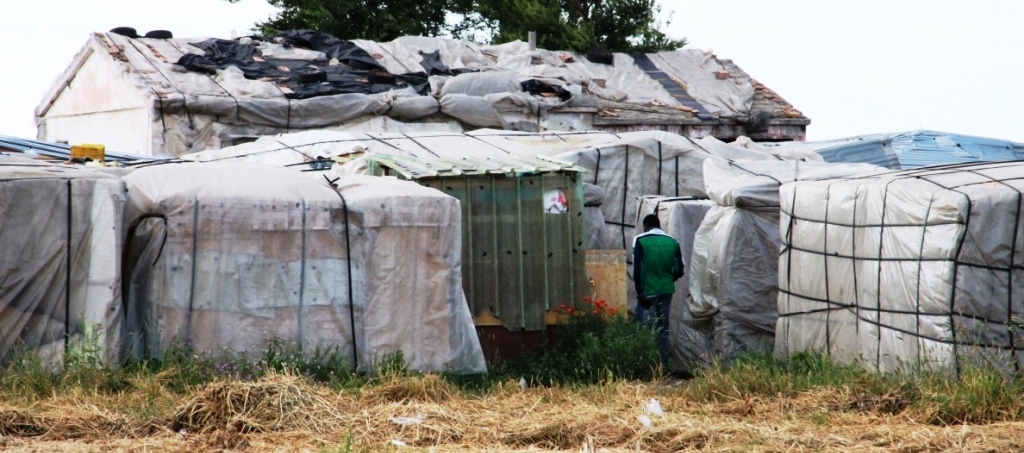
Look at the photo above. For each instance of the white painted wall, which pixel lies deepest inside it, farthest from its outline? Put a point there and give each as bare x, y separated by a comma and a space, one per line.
101, 105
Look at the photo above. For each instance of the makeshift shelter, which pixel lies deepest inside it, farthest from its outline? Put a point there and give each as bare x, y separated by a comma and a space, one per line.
680, 217
908, 150
734, 268
522, 225
905, 269
61, 231
626, 166
169, 97
227, 256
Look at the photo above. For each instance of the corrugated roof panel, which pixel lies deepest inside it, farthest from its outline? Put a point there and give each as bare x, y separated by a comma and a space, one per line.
924, 148
418, 167
58, 150
915, 149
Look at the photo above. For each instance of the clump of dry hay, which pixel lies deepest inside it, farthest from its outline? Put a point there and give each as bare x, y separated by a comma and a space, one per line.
277, 402
429, 388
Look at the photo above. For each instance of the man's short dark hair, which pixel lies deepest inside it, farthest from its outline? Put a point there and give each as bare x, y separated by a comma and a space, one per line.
651, 221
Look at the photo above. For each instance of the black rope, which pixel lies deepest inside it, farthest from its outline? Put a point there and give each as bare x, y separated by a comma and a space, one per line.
828, 317
67, 275
917, 295
597, 166
659, 168
677, 176
435, 154
625, 192
302, 277
195, 263
348, 253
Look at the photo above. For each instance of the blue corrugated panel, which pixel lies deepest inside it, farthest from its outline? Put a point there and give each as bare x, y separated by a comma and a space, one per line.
915, 149
922, 148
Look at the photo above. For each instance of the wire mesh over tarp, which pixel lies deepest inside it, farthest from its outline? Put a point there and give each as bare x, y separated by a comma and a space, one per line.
227, 256
909, 150
919, 267
680, 217
627, 165
733, 275
60, 286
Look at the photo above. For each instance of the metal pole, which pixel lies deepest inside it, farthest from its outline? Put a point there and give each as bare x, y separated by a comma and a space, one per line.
532, 37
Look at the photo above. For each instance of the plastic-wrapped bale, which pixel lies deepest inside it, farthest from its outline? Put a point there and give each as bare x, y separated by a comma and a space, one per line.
61, 231
230, 256
680, 217
906, 269
734, 271
647, 163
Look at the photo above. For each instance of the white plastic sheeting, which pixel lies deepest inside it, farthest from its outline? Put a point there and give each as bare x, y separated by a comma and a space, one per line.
734, 268
689, 337
906, 269
231, 255
627, 165
60, 281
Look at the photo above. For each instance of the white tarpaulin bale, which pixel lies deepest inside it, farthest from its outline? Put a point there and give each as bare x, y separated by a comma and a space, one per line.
734, 272
227, 256
680, 217
61, 236
910, 268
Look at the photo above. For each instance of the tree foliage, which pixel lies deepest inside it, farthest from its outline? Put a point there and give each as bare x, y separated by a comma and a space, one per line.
376, 20
577, 25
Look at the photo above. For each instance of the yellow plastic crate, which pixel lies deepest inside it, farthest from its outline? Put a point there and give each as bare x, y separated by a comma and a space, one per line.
89, 151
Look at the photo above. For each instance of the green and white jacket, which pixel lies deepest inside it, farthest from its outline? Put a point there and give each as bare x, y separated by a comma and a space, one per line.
657, 263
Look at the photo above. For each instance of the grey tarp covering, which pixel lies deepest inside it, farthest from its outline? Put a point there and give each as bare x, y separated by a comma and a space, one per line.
593, 197
60, 281
906, 269
627, 165
230, 255
680, 217
194, 111
734, 272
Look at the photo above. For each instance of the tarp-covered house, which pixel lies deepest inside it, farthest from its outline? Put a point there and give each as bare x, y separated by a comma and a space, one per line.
175, 96
909, 269
733, 276
626, 166
60, 283
228, 256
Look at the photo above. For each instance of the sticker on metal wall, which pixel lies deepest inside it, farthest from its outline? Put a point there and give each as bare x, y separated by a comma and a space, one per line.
555, 201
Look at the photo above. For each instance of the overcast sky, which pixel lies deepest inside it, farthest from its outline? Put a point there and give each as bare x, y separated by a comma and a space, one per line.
854, 67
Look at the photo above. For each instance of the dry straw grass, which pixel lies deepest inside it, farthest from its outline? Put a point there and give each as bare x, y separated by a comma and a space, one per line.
278, 402
285, 413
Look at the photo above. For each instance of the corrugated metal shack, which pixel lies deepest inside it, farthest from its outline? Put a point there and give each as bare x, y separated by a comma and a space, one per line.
523, 230
175, 96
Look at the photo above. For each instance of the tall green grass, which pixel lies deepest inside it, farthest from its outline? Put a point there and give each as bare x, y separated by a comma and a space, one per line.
589, 351
980, 393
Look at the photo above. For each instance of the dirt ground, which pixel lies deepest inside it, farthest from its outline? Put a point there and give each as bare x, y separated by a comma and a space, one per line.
425, 414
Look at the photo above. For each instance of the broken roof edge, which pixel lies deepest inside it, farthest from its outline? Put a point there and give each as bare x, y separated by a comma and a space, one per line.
64, 79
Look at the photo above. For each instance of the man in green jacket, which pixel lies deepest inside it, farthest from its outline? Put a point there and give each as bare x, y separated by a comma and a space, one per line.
657, 264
